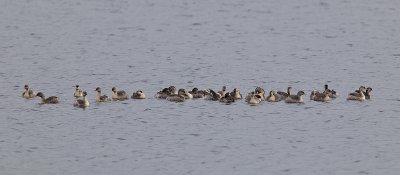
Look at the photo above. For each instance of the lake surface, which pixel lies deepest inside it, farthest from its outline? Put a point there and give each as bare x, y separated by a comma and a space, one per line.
149, 45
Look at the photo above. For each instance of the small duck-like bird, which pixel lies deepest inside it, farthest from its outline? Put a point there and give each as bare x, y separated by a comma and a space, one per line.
99, 97
367, 92
236, 94
82, 103
228, 98
295, 98
164, 93
254, 98
139, 94
259, 92
359, 96
118, 95
223, 91
78, 92
180, 97
273, 97
332, 93
283, 95
317, 96
197, 93
212, 95
28, 93
186, 94
50, 100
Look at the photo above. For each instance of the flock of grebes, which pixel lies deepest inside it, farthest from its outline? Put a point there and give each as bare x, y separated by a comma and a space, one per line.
255, 97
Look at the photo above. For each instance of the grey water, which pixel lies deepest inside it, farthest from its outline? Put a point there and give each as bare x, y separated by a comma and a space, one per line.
149, 45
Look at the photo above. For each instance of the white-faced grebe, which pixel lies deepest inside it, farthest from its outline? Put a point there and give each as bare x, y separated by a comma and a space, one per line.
236, 94
139, 94
78, 92
359, 96
259, 92
99, 97
254, 98
118, 95
295, 98
28, 93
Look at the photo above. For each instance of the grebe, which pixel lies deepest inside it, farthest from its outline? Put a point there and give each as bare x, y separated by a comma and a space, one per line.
236, 94
272, 97
99, 97
197, 93
259, 92
295, 98
78, 92
82, 103
28, 93
50, 100
283, 95
118, 95
139, 94
166, 92
177, 97
357, 96
228, 98
254, 98
212, 95
332, 93
317, 96
366, 93
223, 91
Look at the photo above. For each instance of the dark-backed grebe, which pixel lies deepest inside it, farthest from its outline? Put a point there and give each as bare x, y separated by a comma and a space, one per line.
118, 95
295, 98
318, 96
272, 97
82, 103
283, 95
164, 93
359, 96
50, 100
180, 97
